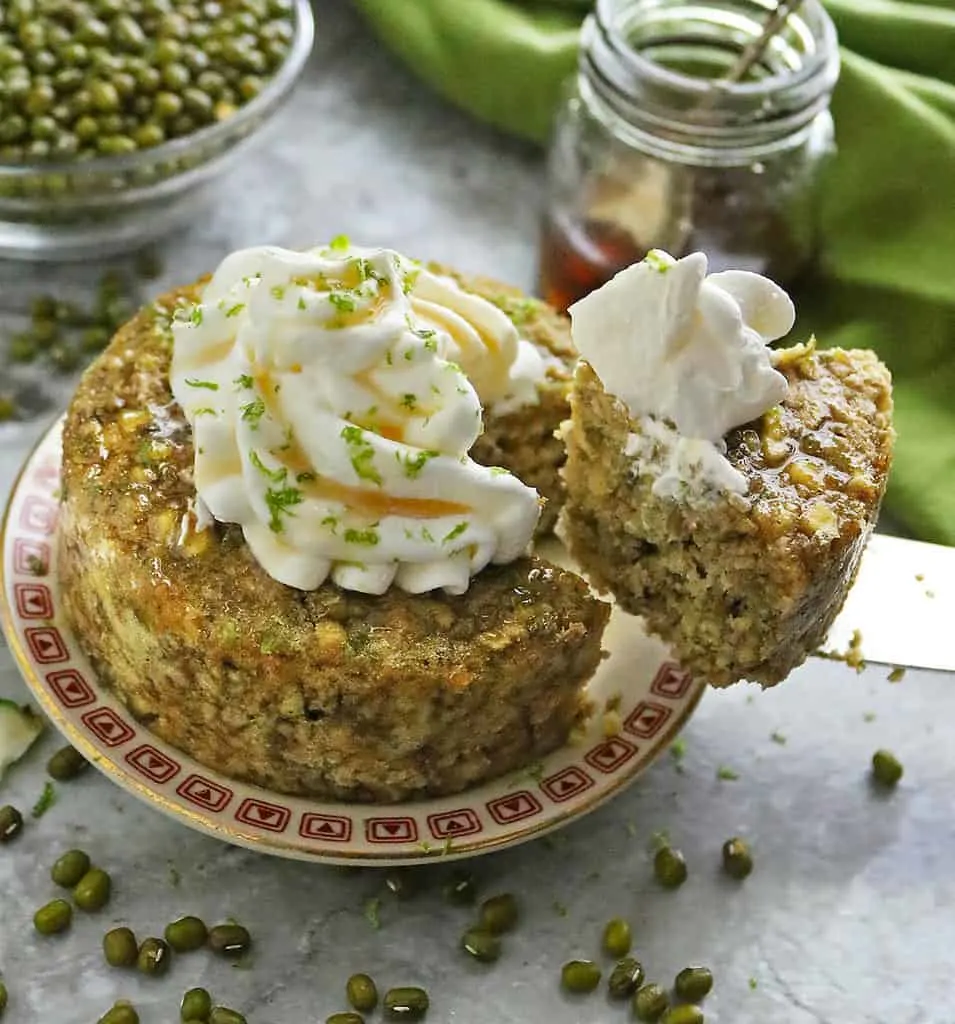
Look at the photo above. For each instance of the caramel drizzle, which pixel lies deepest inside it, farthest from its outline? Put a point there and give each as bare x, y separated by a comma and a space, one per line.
207, 356
375, 504
362, 501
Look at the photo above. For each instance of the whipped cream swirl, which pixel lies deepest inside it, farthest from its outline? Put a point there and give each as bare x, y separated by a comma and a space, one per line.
690, 351
334, 395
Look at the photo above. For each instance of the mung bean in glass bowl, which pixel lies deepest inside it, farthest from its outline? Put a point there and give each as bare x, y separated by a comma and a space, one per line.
118, 116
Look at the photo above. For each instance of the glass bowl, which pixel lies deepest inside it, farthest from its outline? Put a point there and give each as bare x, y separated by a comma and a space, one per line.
76, 209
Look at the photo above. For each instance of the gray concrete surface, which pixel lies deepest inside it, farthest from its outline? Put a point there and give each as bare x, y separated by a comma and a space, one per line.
848, 917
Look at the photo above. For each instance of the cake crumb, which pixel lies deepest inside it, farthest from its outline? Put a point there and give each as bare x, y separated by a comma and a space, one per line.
372, 910
726, 774
777, 737
36, 565
577, 736
897, 674
659, 839
612, 723
852, 655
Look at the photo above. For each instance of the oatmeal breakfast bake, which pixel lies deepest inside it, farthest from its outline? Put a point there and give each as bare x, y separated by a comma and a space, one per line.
277, 548
721, 490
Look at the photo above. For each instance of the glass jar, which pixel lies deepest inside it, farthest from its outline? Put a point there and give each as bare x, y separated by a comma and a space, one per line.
655, 147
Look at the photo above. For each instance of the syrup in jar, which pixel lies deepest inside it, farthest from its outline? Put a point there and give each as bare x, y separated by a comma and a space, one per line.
575, 261
654, 149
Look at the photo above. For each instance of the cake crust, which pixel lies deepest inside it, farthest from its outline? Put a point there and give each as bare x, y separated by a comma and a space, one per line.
327, 693
741, 588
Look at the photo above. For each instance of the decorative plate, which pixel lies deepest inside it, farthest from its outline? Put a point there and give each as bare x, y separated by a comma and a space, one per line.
651, 697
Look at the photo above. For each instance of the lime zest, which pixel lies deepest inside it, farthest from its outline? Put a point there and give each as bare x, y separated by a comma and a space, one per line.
343, 301
413, 464
253, 412
276, 475
367, 538
410, 280
658, 260
279, 501
456, 532
362, 454
46, 800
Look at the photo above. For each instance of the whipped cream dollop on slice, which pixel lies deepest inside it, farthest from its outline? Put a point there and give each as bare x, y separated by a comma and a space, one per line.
334, 395
690, 352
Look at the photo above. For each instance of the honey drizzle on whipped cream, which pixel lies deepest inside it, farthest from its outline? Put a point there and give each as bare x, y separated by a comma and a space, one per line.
370, 503
373, 504
208, 357
332, 422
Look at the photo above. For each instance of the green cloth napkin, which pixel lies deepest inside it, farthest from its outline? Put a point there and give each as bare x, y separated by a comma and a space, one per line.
887, 203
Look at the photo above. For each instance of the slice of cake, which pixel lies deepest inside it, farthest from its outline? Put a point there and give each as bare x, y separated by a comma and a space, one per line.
721, 490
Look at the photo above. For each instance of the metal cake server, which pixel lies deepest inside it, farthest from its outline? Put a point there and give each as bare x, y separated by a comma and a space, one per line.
903, 603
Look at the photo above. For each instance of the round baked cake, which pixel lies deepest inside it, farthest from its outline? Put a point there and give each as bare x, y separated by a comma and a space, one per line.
319, 690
